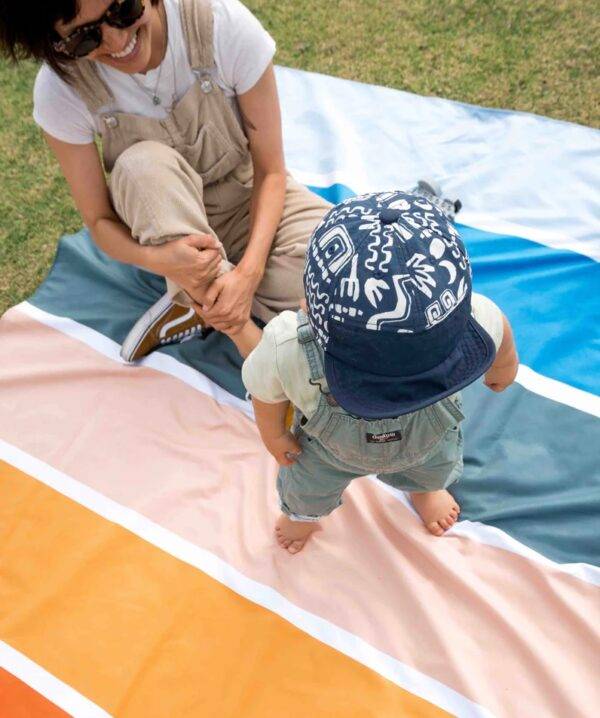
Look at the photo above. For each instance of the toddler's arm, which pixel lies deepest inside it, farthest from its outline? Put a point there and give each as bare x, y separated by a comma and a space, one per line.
503, 371
247, 338
272, 419
271, 422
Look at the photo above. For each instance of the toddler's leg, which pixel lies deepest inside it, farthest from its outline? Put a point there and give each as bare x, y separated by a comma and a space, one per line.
309, 489
427, 483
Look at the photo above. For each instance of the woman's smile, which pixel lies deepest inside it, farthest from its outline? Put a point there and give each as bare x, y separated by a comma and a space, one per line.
136, 49
126, 50
127, 53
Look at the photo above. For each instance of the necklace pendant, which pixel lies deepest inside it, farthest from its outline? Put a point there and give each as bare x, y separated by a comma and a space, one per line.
156, 100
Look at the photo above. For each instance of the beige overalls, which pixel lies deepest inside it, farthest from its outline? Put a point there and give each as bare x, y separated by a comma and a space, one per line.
191, 173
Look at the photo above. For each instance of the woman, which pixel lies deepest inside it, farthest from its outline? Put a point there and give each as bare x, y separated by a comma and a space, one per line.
182, 94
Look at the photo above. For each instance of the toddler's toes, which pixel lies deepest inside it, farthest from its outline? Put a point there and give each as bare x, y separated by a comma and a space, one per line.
296, 546
292, 535
438, 510
435, 528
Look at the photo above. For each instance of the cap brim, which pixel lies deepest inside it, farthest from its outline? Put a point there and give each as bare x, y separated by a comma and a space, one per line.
373, 396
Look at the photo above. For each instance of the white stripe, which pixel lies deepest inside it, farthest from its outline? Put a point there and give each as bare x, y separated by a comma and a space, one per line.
48, 685
478, 220
531, 380
492, 536
555, 240
156, 360
558, 391
347, 643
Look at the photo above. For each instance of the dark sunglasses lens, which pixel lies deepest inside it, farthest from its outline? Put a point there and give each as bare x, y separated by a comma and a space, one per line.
85, 42
125, 13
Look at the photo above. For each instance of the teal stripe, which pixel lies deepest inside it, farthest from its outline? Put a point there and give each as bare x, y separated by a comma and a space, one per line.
532, 470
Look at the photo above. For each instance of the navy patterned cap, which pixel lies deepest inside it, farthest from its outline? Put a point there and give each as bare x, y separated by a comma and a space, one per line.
388, 288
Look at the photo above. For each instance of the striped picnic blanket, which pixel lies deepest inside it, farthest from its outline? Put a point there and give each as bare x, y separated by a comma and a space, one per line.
139, 574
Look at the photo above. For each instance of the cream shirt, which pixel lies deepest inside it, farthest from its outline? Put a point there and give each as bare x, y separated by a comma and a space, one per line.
278, 370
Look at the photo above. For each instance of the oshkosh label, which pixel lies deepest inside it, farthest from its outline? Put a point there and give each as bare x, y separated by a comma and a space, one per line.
385, 437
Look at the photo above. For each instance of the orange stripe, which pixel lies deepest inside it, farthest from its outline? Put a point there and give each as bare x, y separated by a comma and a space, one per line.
131, 627
18, 700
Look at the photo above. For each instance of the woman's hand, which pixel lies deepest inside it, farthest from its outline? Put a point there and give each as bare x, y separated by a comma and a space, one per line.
228, 300
191, 262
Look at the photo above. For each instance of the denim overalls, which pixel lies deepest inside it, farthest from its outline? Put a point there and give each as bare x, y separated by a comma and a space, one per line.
420, 452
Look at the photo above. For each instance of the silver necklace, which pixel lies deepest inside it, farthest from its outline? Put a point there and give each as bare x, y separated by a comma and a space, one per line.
154, 93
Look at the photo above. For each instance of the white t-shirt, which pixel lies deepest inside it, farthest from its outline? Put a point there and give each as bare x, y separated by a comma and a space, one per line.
242, 51
277, 369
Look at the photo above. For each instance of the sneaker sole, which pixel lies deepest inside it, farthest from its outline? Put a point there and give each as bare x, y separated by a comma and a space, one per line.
137, 334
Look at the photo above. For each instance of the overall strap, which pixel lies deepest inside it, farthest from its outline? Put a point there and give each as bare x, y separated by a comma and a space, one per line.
85, 79
307, 341
197, 21
450, 406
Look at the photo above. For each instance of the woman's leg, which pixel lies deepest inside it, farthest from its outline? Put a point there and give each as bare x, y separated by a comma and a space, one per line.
160, 197
158, 194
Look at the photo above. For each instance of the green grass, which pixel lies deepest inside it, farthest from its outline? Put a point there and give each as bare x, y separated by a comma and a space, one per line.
534, 55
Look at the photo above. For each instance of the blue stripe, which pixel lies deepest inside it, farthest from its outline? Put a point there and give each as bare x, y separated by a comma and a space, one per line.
551, 297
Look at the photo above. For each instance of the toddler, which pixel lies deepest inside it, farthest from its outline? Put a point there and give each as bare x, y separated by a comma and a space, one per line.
374, 362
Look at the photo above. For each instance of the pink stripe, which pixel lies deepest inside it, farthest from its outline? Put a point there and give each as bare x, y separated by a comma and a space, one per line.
505, 632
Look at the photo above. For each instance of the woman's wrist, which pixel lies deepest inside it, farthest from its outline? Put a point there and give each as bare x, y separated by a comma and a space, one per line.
149, 259
252, 270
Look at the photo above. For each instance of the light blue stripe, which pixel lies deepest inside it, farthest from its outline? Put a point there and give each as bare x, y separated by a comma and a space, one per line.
513, 167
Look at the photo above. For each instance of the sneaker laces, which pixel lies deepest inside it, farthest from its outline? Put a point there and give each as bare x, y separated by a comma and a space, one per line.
430, 190
183, 335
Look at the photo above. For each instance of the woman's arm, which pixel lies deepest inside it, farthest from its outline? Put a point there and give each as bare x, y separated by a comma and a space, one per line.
181, 260
261, 115
229, 299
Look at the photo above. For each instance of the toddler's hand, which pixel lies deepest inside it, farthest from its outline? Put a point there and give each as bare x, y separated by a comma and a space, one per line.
499, 377
284, 448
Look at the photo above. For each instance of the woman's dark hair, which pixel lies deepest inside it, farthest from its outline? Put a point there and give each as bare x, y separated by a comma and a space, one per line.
27, 30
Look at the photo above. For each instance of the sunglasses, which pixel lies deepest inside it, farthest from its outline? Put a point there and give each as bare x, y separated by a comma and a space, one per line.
87, 38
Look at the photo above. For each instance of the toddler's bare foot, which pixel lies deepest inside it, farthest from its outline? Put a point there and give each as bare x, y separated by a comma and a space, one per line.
438, 509
292, 535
